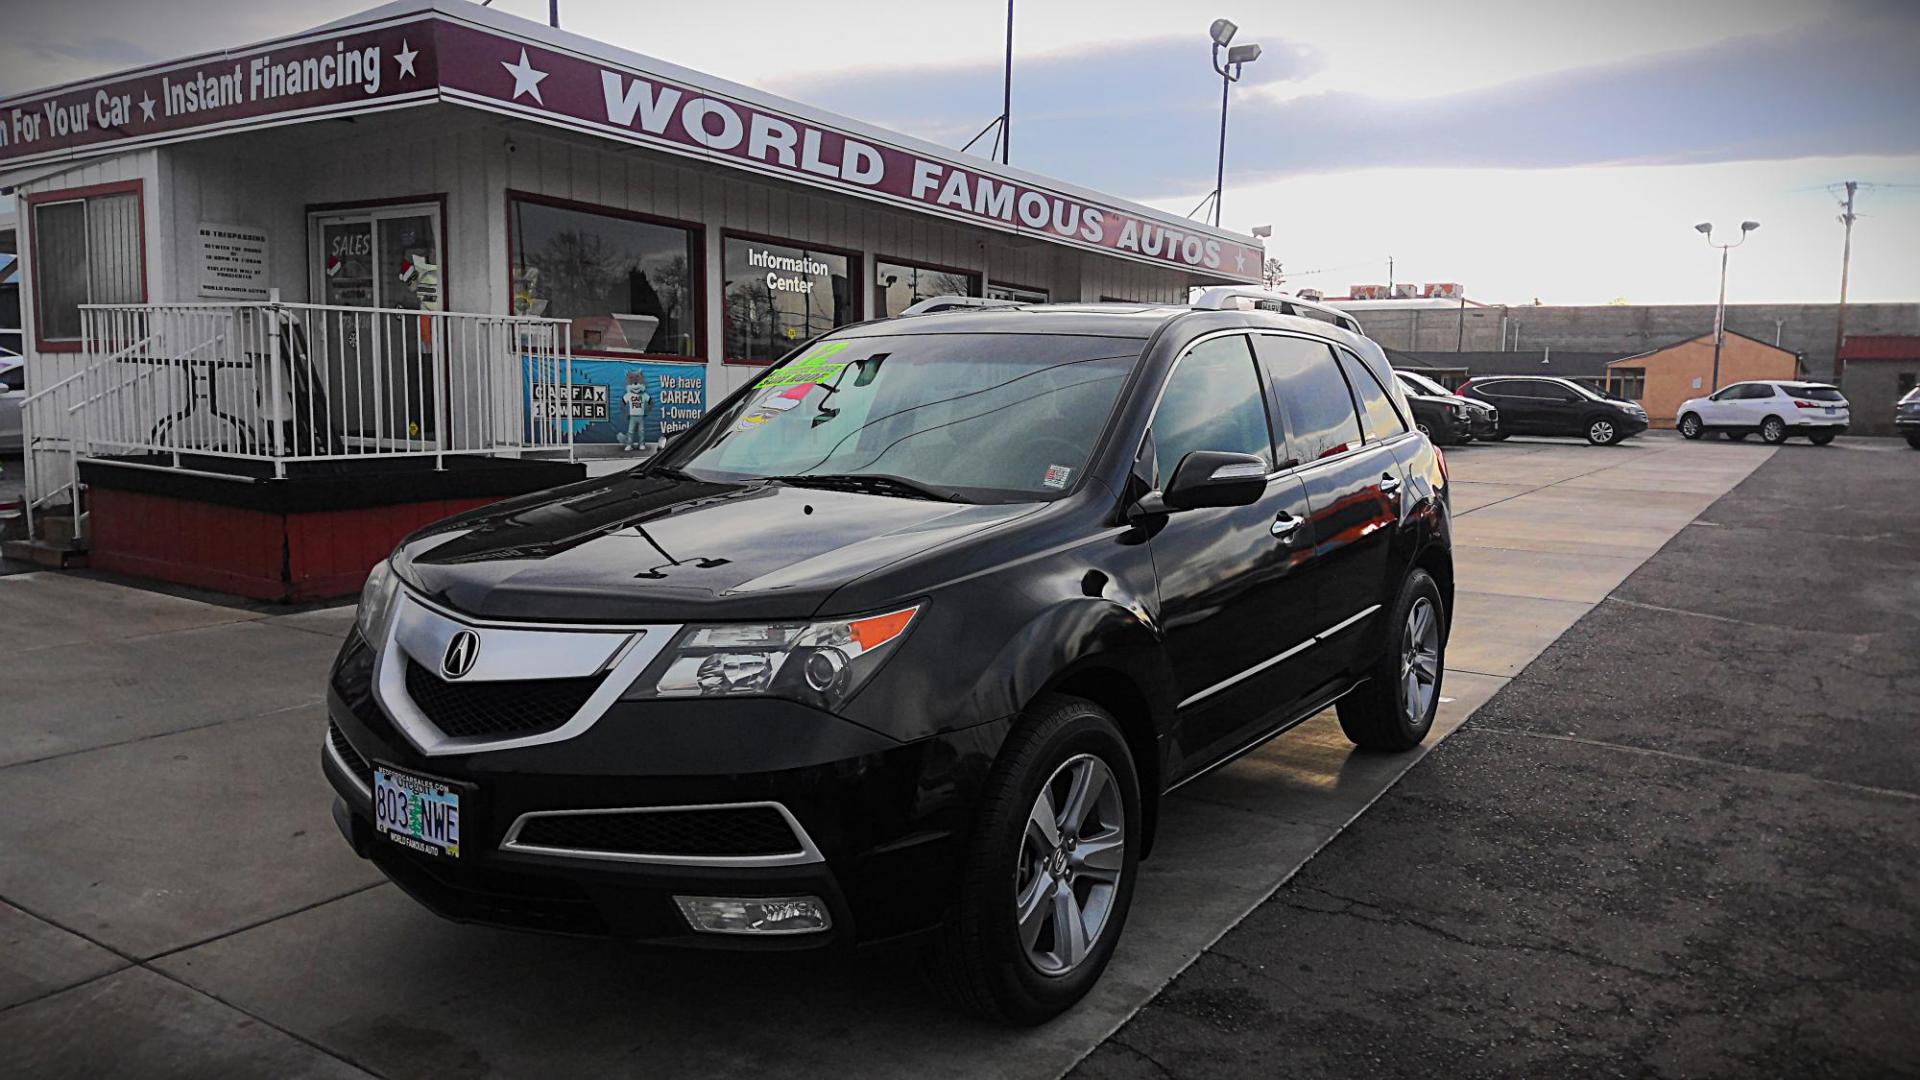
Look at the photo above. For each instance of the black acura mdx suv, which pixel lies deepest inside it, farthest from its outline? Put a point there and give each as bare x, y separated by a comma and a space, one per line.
908, 635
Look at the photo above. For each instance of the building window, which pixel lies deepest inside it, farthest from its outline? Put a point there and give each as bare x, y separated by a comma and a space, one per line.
86, 251
779, 295
1630, 382
1017, 293
628, 285
897, 285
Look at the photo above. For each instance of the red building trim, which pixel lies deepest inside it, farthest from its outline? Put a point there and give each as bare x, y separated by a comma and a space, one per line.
40, 198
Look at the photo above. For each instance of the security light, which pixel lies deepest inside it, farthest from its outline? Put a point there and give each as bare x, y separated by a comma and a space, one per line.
1223, 31
1243, 54
1262, 231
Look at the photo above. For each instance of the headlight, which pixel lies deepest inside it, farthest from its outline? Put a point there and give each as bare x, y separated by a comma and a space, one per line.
377, 601
818, 663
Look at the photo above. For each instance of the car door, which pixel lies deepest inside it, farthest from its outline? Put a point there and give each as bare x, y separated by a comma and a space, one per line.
1236, 595
1756, 402
1511, 397
1558, 409
1719, 409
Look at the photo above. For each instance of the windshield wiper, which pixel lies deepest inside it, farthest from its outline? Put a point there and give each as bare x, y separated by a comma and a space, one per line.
871, 484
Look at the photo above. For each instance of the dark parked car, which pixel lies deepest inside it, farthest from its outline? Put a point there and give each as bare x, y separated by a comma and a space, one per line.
910, 634
1544, 405
1444, 416
1906, 417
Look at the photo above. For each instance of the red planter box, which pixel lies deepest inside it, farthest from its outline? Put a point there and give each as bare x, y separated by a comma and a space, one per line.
304, 538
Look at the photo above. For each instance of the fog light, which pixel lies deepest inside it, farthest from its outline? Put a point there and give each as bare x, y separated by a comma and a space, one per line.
755, 914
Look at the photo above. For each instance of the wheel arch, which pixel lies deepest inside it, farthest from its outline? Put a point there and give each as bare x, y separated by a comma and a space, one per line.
1111, 687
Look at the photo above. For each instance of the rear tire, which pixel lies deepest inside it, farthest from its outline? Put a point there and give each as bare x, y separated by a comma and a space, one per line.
1691, 427
1773, 431
1913, 440
1821, 439
992, 962
1393, 710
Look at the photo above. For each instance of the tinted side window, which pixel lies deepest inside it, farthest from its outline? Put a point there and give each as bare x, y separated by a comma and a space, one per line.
1312, 394
1212, 402
1376, 408
1756, 391
1502, 388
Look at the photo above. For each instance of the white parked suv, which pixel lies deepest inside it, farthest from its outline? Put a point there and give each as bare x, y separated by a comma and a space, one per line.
1776, 408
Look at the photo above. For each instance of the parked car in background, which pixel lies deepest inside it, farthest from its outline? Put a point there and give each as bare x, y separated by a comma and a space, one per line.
1776, 409
1906, 417
1444, 416
1547, 405
13, 392
887, 665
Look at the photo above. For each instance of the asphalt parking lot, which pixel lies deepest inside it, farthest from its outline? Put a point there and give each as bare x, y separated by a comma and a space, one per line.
1685, 841
175, 901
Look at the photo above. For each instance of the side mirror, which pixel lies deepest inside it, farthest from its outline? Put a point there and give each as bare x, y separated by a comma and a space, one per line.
1215, 478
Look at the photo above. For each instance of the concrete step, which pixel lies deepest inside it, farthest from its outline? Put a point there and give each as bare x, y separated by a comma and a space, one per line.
44, 553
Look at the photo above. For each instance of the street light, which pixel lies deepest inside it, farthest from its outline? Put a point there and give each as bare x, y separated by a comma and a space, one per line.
1705, 229
1222, 32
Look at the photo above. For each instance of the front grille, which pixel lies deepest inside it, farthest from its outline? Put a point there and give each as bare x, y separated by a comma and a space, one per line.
504, 709
356, 764
721, 832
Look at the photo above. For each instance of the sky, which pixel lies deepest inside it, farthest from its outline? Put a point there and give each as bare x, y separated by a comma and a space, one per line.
1530, 150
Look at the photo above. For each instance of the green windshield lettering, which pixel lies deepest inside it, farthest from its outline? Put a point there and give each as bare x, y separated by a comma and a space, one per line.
816, 365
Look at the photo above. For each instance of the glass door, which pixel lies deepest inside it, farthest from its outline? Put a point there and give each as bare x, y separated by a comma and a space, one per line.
379, 370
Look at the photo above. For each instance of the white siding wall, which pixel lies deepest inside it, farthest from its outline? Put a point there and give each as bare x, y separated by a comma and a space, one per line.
271, 178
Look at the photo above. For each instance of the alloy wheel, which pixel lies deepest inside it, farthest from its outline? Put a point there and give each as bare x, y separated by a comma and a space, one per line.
1600, 432
1419, 660
1071, 859
1690, 427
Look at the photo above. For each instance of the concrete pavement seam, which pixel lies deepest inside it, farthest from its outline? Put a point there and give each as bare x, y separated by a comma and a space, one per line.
1869, 789
1738, 622
164, 734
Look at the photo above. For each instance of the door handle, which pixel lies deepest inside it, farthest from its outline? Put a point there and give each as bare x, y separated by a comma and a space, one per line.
1286, 525
1389, 484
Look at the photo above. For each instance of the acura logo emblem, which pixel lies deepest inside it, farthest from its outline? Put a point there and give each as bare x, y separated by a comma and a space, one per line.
462, 651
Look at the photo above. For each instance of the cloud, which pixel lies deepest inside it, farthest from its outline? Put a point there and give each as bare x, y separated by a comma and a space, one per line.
1142, 118
1112, 89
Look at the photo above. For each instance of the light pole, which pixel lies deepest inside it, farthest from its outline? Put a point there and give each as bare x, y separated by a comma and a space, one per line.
1222, 32
1705, 229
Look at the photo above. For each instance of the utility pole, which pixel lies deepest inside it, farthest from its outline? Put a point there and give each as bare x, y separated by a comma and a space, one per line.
1389, 277
1006, 95
1846, 257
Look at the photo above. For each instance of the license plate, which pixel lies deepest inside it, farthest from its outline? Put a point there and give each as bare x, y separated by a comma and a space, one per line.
1829, 410
417, 812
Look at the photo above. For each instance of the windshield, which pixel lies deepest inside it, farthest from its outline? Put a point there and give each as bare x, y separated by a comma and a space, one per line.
1420, 384
969, 417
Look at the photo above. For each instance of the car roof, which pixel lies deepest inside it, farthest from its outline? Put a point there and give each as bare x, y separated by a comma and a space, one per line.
1106, 319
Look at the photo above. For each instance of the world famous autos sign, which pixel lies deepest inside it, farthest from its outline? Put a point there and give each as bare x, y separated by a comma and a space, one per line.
432, 56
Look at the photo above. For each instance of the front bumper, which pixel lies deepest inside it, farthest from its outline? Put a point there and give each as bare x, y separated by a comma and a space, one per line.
883, 822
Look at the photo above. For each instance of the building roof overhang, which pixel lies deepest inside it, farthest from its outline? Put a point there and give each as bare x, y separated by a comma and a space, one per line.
417, 52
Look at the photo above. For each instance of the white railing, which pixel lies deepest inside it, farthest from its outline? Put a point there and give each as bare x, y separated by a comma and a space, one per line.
284, 383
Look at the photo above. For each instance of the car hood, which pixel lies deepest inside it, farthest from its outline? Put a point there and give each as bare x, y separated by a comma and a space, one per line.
635, 548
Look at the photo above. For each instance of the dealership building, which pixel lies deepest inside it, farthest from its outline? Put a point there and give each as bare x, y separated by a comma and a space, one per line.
441, 246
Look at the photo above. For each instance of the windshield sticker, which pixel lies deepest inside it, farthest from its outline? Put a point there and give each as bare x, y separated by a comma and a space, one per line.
816, 365
1056, 476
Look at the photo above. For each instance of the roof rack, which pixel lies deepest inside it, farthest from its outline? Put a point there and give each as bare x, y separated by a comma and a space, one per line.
1226, 297
952, 303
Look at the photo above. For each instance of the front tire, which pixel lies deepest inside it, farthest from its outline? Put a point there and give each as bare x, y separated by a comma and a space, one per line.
1050, 868
1773, 431
1393, 710
1603, 432
1913, 439
1691, 427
